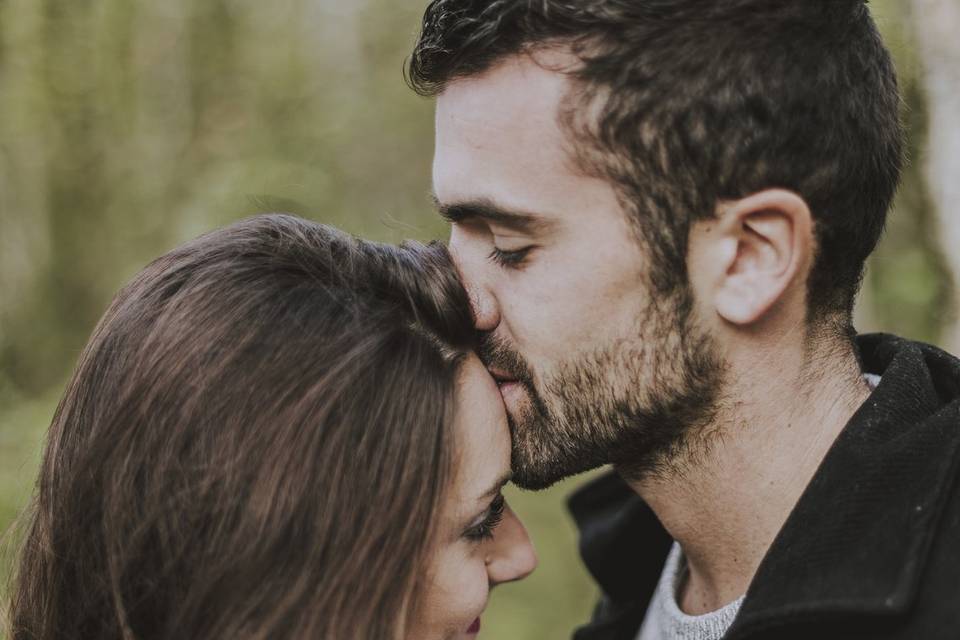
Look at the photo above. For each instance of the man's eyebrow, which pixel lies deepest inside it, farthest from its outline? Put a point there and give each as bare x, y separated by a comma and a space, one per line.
488, 211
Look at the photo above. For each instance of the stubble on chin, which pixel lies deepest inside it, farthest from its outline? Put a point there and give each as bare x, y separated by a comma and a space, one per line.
637, 403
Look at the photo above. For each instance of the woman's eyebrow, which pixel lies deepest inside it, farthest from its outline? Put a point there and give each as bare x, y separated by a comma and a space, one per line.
493, 491
497, 486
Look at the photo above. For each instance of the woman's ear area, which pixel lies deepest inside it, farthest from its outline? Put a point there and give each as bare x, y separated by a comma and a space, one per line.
755, 253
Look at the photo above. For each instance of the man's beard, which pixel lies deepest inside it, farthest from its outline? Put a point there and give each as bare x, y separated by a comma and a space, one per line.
639, 402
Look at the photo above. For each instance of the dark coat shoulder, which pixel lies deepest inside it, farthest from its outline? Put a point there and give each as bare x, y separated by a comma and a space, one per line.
872, 548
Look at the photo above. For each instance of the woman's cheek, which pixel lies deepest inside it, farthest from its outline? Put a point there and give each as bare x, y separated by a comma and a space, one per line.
472, 593
457, 594
480, 588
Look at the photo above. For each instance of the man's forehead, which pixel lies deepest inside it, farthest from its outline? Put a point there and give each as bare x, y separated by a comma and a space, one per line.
517, 86
499, 136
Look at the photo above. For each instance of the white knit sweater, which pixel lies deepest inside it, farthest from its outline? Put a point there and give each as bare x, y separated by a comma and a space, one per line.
665, 620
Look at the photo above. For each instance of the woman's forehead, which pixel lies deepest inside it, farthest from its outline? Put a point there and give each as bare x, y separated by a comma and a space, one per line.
482, 432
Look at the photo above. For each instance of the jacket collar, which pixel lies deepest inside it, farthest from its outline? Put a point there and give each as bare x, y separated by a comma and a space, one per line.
622, 543
857, 540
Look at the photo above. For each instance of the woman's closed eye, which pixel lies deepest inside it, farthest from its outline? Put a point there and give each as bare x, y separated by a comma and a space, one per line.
484, 529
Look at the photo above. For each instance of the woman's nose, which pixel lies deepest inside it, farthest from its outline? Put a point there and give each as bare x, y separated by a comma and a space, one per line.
512, 556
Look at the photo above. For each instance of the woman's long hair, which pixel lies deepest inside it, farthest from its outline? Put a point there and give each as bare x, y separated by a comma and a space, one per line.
254, 444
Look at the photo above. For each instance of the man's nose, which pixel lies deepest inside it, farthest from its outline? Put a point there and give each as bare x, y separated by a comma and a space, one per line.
471, 260
486, 314
512, 556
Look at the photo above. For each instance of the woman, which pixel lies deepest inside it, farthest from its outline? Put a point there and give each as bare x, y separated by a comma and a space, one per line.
276, 431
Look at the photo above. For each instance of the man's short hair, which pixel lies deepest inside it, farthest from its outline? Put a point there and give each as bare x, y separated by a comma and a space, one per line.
684, 103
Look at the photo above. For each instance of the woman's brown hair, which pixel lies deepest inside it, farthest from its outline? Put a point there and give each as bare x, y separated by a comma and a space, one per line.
254, 444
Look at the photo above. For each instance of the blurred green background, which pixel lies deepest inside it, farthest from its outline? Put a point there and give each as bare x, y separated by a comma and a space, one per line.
130, 126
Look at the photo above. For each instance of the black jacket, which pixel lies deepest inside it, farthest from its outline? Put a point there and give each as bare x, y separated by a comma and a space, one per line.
870, 551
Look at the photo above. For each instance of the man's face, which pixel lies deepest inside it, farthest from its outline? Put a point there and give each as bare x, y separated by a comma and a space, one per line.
591, 368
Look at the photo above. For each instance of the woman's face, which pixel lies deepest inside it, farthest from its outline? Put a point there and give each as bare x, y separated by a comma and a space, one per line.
480, 543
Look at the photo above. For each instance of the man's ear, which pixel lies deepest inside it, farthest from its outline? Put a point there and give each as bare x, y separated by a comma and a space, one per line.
755, 252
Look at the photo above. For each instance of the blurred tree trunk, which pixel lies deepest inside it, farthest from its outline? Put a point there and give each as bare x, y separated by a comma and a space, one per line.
937, 23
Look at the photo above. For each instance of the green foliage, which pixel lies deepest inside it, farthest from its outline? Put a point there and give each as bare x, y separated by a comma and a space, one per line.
130, 126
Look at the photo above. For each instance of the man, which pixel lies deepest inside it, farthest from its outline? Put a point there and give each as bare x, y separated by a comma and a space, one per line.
662, 210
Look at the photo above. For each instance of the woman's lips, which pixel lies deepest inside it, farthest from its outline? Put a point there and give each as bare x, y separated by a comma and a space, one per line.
475, 627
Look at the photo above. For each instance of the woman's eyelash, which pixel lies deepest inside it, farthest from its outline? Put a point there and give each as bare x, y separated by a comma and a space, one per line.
508, 258
484, 530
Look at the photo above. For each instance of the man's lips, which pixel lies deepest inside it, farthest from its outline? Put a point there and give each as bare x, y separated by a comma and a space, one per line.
511, 387
501, 377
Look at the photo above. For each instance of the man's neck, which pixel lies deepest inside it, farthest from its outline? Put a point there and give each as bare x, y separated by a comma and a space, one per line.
784, 410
